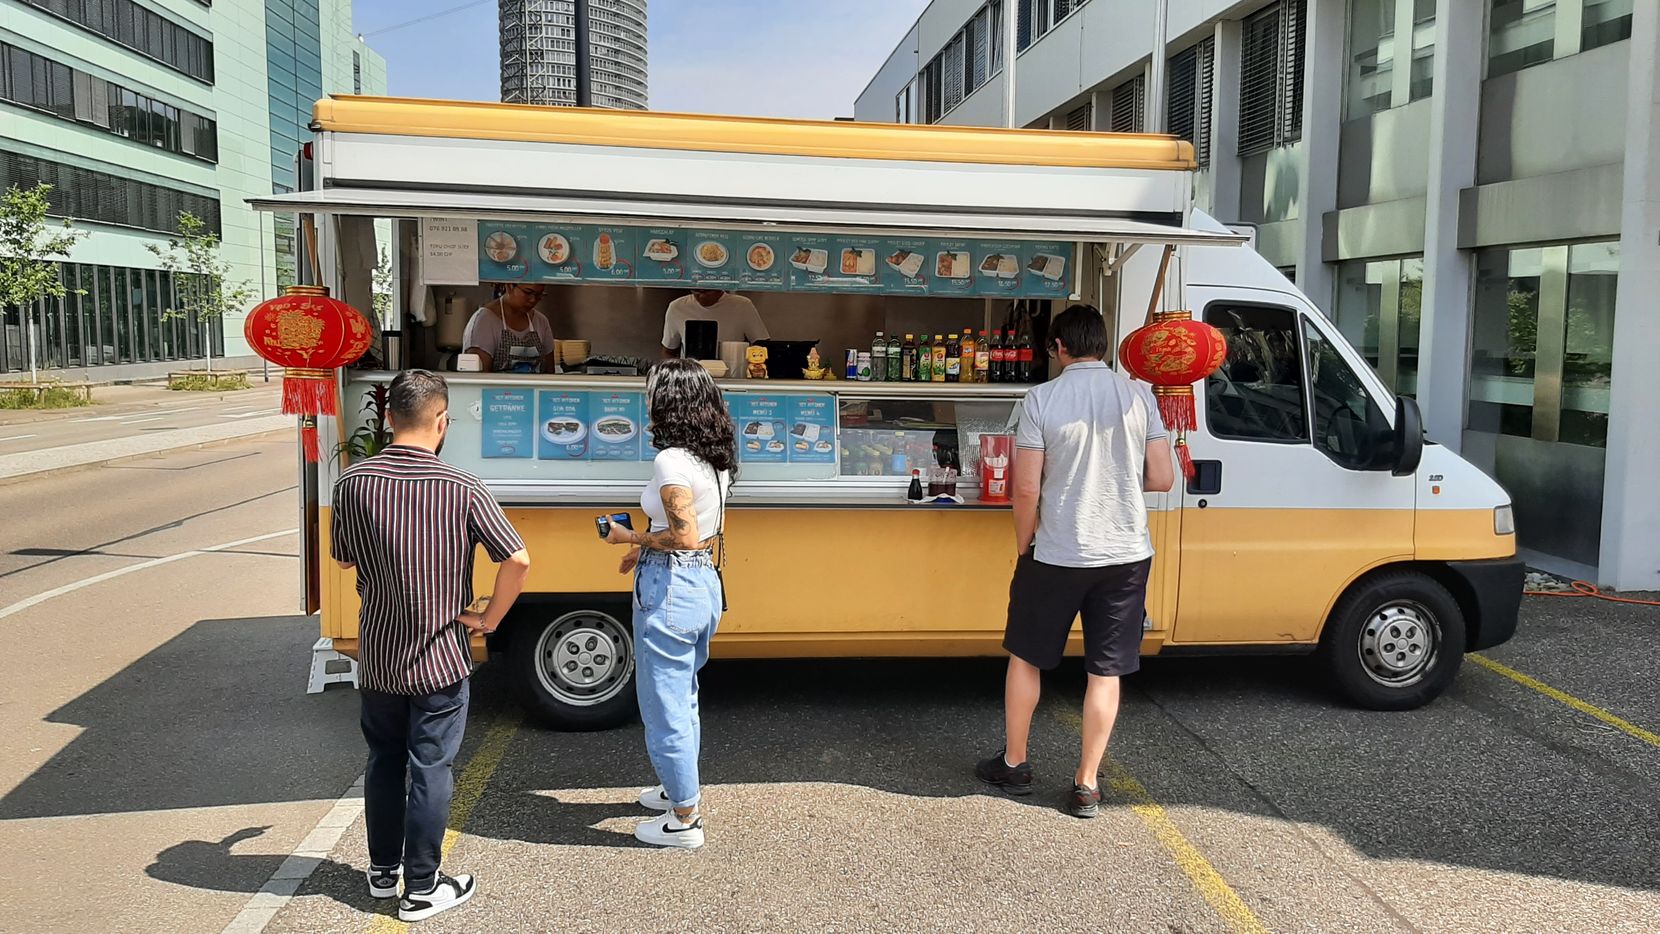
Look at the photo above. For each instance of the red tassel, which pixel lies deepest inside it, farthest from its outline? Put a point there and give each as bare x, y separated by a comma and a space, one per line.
308, 440
1177, 411
307, 396
1184, 457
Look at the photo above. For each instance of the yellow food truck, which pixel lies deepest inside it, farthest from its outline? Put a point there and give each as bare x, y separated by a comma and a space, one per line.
1318, 519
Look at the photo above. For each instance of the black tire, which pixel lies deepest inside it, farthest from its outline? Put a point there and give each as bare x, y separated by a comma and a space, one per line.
573, 669
1394, 642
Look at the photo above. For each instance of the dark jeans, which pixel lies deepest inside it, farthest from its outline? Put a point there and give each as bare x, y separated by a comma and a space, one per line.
418, 736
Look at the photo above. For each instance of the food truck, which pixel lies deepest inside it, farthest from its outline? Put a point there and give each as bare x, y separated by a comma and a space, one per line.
1317, 520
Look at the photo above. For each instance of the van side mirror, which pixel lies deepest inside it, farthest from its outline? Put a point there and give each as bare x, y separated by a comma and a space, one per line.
1408, 442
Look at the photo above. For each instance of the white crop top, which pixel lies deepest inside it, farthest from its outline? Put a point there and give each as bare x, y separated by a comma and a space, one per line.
680, 467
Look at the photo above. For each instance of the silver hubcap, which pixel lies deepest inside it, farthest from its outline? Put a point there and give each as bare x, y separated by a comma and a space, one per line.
1399, 643
584, 658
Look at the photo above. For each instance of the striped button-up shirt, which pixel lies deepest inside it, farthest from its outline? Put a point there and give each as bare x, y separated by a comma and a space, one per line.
411, 522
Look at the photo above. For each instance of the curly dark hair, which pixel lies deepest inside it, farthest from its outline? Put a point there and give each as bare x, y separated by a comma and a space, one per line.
687, 411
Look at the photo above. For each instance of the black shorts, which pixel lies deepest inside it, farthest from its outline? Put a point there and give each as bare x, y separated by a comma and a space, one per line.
1044, 599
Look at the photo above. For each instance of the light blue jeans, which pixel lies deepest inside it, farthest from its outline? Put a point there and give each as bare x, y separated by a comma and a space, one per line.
677, 606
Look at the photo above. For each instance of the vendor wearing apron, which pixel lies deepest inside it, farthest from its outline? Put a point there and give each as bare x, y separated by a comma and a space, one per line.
509, 335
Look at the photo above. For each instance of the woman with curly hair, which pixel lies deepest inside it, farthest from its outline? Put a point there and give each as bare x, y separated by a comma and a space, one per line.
678, 595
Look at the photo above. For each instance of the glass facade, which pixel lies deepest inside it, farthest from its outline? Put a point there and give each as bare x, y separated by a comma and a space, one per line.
1540, 376
1380, 312
110, 315
1520, 33
294, 61
1391, 54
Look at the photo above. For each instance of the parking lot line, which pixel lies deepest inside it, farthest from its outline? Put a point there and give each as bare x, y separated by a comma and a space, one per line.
1618, 723
469, 788
1210, 884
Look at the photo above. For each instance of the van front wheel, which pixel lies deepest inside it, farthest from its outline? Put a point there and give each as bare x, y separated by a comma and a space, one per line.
575, 671
1394, 642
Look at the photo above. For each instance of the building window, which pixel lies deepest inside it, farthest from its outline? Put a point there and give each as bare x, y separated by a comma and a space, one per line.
34, 81
1081, 117
965, 64
119, 317
138, 28
1037, 17
1379, 311
1521, 33
1540, 379
1129, 106
89, 195
357, 72
1271, 78
1188, 105
1604, 22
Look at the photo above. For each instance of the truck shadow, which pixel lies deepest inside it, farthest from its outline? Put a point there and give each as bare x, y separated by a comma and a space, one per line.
218, 716
1485, 788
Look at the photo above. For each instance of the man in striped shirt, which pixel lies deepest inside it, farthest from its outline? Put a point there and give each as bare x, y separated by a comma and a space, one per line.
409, 524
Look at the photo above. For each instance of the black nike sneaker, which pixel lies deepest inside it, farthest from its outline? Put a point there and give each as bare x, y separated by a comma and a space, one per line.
1084, 801
1013, 779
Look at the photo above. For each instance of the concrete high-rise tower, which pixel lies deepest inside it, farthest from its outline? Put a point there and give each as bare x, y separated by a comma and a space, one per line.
538, 52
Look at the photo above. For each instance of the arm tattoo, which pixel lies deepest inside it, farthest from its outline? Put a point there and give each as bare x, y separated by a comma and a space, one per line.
677, 503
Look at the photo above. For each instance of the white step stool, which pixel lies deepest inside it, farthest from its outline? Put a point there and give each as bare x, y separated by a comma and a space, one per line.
329, 667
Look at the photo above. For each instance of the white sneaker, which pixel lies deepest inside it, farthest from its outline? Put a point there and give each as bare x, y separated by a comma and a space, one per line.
447, 892
656, 799
668, 830
383, 883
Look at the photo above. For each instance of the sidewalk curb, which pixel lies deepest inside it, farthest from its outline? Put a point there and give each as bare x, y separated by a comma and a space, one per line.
42, 472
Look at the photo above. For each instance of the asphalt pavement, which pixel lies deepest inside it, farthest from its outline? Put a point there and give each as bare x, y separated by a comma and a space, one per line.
159, 763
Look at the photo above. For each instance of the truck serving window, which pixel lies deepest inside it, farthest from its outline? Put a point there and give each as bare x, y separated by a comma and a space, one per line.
1257, 395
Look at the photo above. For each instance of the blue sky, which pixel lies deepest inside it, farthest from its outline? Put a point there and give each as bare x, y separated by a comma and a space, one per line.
766, 57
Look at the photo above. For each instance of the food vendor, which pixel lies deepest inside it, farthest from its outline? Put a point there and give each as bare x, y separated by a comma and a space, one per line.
735, 319
510, 335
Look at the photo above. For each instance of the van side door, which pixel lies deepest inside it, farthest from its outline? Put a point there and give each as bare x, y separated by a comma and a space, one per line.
1290, 502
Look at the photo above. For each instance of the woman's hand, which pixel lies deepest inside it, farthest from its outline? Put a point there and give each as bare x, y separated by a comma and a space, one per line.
620, 535
629, 561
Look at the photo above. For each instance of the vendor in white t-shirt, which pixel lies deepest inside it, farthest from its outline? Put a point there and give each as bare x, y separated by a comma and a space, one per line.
735, 318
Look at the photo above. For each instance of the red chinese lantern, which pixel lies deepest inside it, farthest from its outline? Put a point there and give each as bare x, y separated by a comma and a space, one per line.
1172, 351
309, 335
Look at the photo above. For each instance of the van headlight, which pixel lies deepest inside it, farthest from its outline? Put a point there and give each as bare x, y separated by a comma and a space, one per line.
1504, 520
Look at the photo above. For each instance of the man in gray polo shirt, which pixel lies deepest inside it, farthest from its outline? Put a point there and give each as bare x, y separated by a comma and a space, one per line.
1089, 445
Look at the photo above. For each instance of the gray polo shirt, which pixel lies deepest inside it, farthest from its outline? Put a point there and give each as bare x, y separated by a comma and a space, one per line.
1093, 426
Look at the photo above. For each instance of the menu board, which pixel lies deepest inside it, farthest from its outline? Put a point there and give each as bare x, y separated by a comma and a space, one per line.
770, 261
562, 426
509, 418
763, 435
617, 425
812, 433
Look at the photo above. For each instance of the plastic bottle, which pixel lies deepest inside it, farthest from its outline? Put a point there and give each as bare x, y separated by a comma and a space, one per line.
1026, 370
999, 357
953, 359
879, 358
925, 360
982, 359
940, 353
894, 358
907, 359
968, 356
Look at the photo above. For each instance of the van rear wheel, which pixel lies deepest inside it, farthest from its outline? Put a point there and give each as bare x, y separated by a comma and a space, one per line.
575, 670
1394, 642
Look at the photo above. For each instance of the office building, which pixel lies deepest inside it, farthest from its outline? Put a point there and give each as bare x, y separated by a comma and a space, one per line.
538, 52
134, 111
1470, 188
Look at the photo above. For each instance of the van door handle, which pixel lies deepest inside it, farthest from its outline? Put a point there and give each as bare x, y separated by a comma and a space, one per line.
1207, 479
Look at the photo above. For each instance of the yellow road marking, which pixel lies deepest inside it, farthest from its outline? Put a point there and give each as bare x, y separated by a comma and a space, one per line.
1210, 884
469, 788
1624, 726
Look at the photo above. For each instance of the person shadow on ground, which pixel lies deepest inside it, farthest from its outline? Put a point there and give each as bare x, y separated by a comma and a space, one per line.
210, 865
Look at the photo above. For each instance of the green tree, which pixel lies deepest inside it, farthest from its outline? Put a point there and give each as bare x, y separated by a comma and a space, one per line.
383, 290
30, 252
201, 277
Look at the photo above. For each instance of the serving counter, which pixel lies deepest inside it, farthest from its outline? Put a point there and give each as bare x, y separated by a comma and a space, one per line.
571, 440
